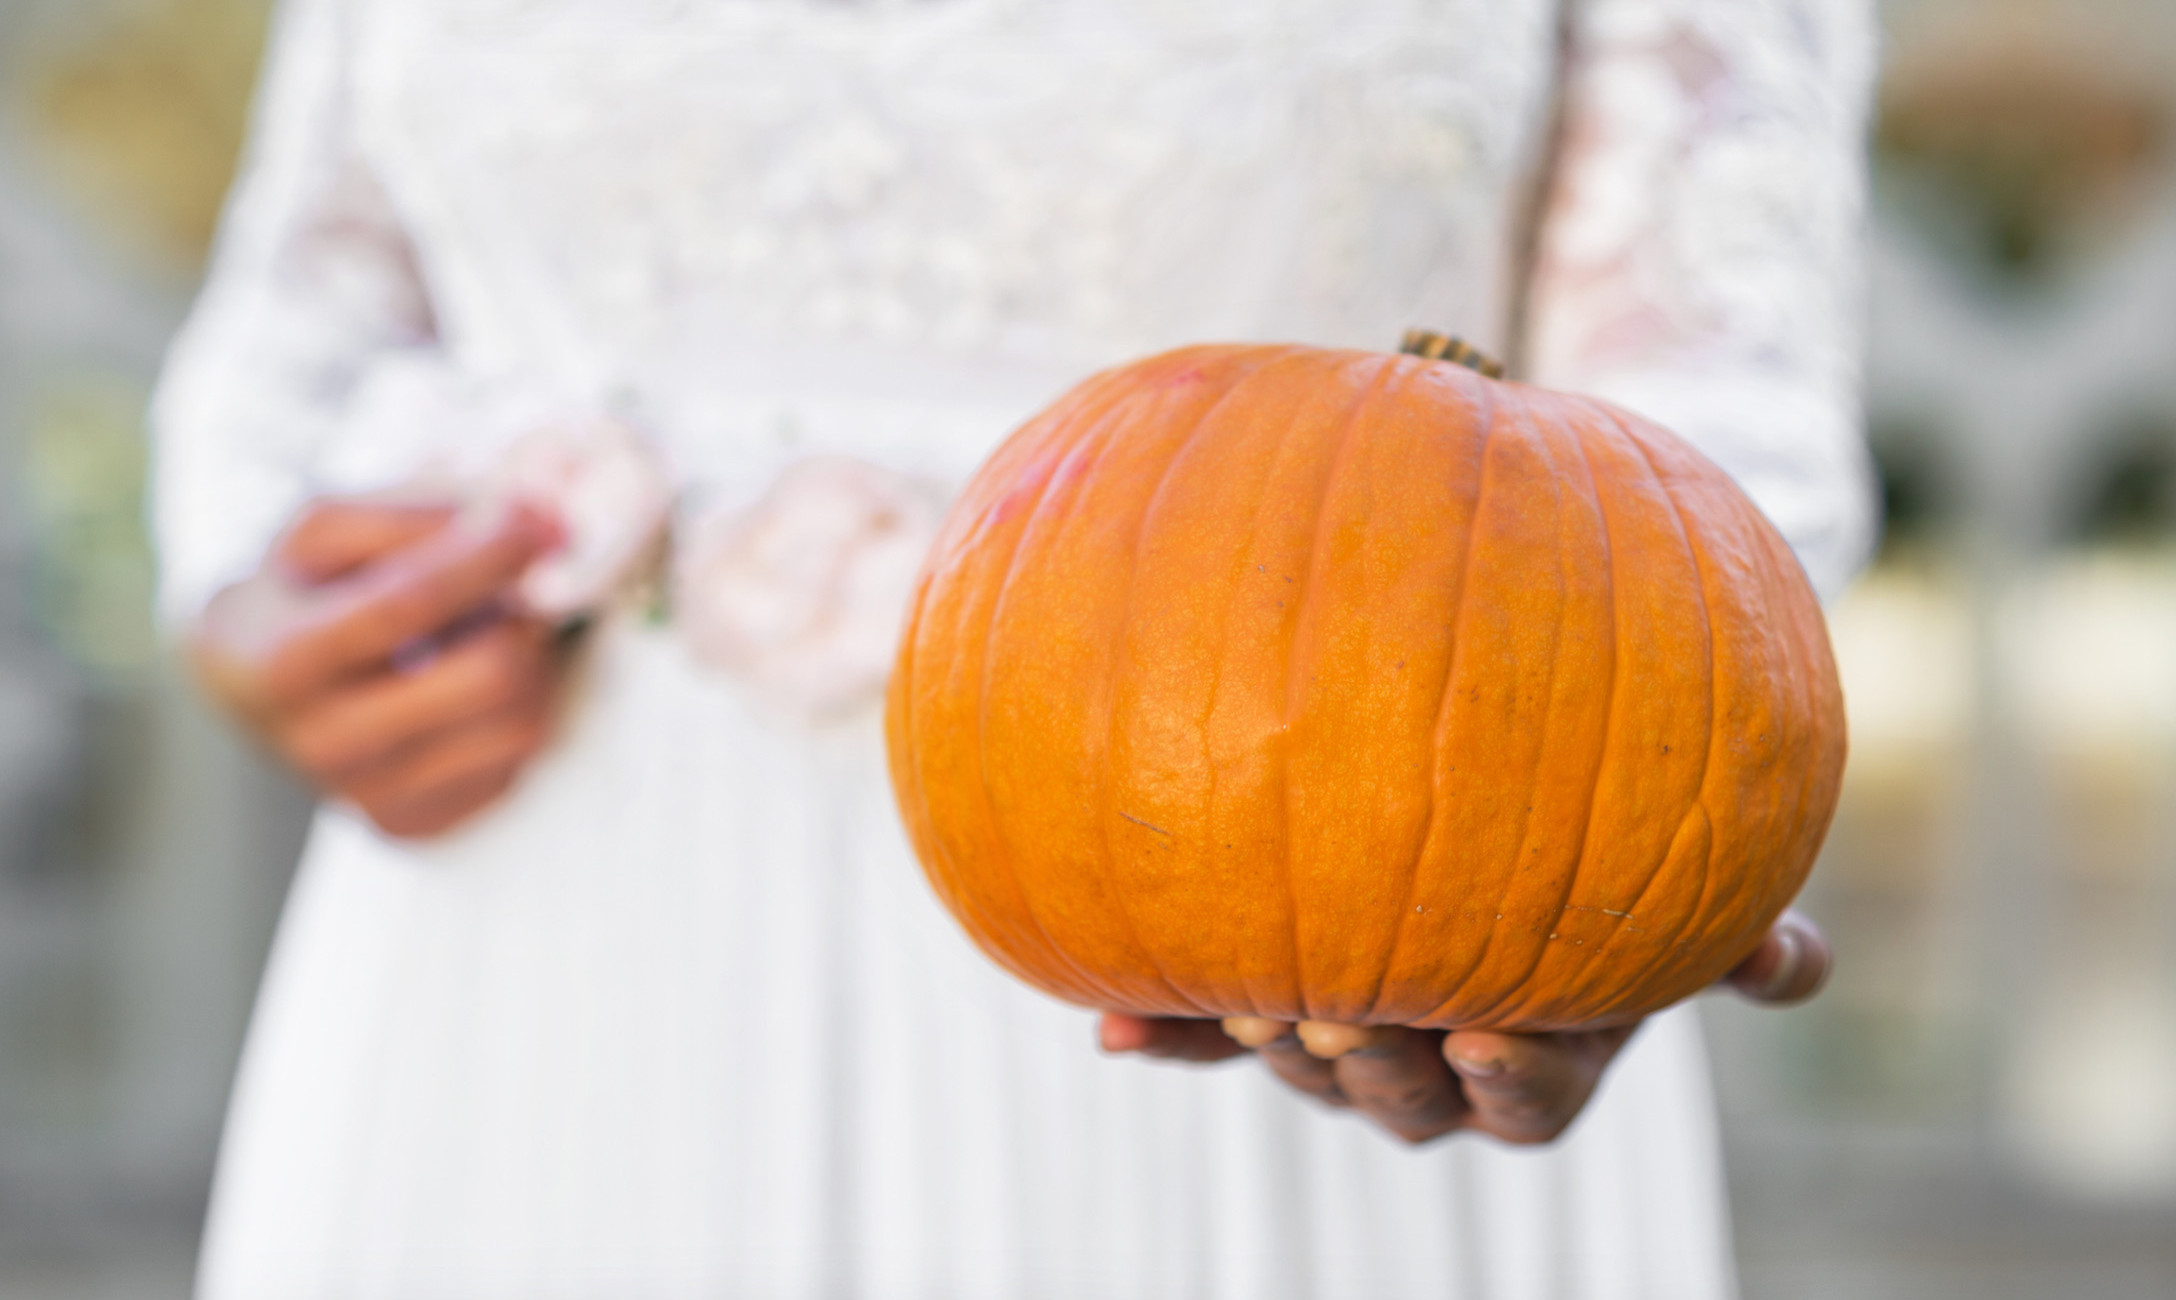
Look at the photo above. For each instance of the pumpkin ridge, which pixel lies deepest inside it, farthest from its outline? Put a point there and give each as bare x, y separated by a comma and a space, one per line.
1487, 396
1666, 963
1610, 947
1118, 642
1522, 1005
1639, 995
1706, 918
1807, 708
1705, 934
1812, 643
1087, 447
1034, 925
947, 889
1488, 441
1118, 907
1526, 824
1255, 1003
1511, 880
1817, 667
1607, 946
903, 717
1386, 366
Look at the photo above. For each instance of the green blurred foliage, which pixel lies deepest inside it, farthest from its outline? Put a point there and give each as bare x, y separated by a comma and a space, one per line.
83, 481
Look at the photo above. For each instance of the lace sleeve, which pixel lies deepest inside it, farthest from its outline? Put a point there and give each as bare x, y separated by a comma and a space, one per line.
313, 287
1699, 261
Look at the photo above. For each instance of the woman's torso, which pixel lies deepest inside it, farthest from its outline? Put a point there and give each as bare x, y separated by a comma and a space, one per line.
679, 1019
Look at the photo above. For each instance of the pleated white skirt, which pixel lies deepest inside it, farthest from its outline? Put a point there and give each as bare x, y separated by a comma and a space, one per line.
682, 1020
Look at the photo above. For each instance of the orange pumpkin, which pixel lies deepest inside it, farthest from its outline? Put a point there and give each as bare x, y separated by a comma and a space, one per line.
1312, 684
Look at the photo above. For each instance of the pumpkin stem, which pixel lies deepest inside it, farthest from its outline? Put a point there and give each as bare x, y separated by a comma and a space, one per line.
1449, 347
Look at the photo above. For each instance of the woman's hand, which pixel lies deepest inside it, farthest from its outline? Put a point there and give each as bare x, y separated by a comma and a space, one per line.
1421, 1084
375, 654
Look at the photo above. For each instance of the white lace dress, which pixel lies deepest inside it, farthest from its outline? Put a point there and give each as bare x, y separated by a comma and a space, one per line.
680, 1019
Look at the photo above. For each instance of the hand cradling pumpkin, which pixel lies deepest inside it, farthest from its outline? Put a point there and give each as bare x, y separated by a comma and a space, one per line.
1301, 685
1420, 1084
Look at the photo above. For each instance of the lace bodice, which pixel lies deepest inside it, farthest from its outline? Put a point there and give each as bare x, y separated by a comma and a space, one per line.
1054, 180
765, 230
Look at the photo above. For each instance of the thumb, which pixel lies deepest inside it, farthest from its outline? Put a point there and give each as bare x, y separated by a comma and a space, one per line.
1790, 965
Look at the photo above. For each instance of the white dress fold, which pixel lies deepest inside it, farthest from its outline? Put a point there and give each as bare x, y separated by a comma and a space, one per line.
680, 1018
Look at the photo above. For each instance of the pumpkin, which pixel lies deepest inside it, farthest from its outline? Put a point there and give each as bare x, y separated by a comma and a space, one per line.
1297, 683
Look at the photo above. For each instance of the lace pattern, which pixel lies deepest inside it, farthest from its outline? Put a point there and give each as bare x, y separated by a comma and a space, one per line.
1700, 262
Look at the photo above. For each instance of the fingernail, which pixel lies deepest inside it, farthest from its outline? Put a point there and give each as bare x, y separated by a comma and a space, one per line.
1119, 1038
1779, 981
1326, 1041
1255, 1031
1473, 1069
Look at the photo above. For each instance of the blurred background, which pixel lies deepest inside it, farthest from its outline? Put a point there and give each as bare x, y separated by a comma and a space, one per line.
1983, 1105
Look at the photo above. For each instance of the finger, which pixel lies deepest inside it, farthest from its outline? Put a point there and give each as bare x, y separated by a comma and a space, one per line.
453, 776
1166, 1038
1291, 1062
414, 593
490, 671
1527, 1088
1400, 1079
1790, 965
334, 536
443, 809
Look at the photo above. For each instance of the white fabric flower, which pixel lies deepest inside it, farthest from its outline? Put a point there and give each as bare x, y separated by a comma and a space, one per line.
802, 595
605, 487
